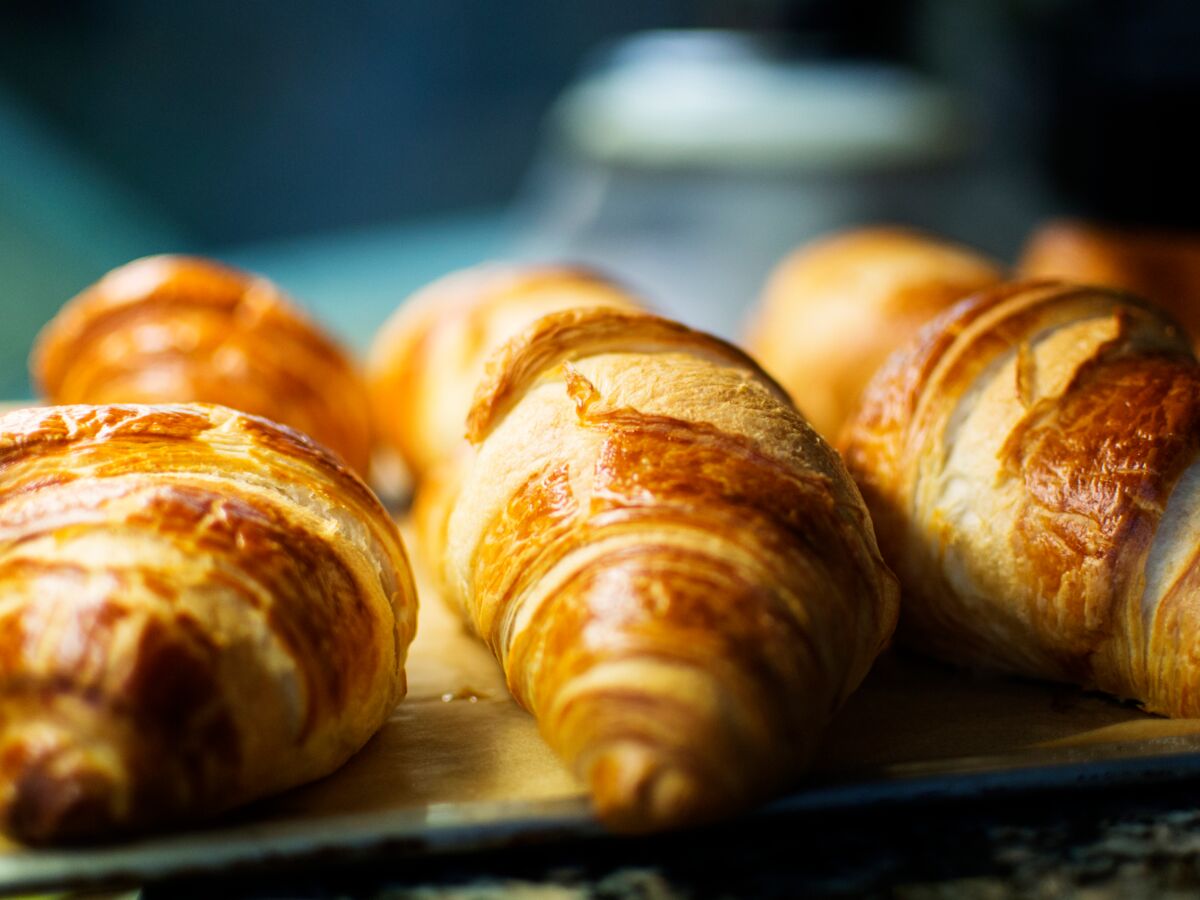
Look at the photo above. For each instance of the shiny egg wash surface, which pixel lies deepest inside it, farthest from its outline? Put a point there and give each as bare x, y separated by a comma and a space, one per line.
197, 607
673, 569
1030, 464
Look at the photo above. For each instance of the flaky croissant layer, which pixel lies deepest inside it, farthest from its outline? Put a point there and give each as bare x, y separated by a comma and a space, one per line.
676, 573
197, 608
1031, 467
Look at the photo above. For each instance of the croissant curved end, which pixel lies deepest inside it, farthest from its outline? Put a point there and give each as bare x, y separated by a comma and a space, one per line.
48, 808
635, 791
65, 791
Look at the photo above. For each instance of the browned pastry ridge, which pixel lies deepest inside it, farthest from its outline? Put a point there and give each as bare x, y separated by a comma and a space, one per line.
1161, 267
428, 358
169, 329
835, 309
676, 573
1030, 463
197, 608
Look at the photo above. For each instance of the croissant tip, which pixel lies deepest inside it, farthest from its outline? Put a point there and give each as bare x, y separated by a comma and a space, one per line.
45, 806
635, 790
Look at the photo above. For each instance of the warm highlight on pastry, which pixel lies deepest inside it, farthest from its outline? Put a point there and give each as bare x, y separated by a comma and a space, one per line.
1164, 268
197, 608
677, 575
1031, 467
428, 359
173, 329
834, 310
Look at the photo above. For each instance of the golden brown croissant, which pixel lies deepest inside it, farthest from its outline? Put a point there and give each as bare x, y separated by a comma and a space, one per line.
676, 573
199, 608
176, 329
427, 360
1030, 463
1164, 268
833, 311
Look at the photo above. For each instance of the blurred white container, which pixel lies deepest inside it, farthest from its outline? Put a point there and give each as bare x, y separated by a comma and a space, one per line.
691, 162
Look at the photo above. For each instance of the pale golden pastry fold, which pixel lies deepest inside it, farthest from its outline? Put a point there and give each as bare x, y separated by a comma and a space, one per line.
177, 329
197, 608
675, 572
1030, 462
834, 310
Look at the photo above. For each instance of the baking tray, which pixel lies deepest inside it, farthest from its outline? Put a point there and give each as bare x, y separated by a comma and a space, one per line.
460, 767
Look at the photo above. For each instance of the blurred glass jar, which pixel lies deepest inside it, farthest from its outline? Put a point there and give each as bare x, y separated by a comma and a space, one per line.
690, 163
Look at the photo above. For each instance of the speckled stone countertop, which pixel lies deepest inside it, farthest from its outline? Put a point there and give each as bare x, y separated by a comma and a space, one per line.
1117, 843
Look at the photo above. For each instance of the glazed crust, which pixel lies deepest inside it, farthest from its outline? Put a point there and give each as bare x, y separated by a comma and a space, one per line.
1030, 463
834, 310
427, 360
675, 572
1164, 268
199, 607
176, 329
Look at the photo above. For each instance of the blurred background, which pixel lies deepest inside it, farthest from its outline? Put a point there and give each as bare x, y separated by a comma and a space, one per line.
354, 149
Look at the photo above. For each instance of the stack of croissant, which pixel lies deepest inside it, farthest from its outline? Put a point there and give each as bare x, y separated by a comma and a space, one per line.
678, 574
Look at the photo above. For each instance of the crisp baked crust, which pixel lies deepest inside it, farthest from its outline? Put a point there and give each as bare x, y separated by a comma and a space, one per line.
197, 607
1030, 466
675, 571
173, 329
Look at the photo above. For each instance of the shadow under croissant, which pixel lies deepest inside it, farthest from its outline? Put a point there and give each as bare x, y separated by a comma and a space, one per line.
432, 752
912, 709
457, 738
476, 745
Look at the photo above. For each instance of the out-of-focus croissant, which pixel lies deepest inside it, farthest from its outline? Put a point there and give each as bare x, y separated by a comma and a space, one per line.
427, 360
676, 573
176, 329
1030, 463
833, 311
199, 607
1164, 268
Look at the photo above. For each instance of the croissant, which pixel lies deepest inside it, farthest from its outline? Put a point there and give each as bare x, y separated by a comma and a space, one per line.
1164, 268
833, 311
427, 360
1030, 465
199, 608
675, 572
177, 329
